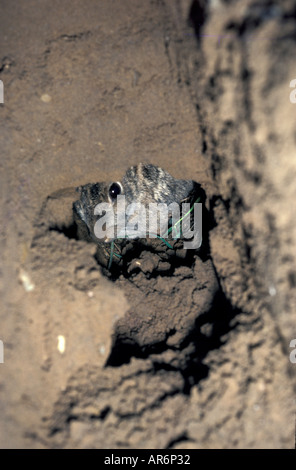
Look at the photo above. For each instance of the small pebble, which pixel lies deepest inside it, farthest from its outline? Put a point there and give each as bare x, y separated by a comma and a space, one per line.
26, 281
45, 98
102, 349
61, 344
272, 291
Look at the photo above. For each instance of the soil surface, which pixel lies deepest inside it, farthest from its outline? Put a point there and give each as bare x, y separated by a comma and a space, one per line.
196, 353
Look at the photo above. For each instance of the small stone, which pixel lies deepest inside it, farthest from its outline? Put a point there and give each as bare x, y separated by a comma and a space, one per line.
45, 98
61, 344
102, 349
26, 281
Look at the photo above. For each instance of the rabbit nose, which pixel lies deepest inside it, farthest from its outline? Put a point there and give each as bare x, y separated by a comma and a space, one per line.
78, 209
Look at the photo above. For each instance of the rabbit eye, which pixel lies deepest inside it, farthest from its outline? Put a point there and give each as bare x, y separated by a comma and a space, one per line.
114, 191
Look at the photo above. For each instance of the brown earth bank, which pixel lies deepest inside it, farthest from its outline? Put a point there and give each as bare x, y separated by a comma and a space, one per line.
196, 356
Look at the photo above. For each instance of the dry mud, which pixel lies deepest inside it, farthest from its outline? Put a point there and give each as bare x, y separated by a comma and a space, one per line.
193, 357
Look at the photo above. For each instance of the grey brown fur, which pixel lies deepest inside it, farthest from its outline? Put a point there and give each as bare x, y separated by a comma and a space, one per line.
143, 183
149, 183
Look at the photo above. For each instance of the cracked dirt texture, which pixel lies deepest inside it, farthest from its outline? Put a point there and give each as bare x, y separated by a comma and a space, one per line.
195, 359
